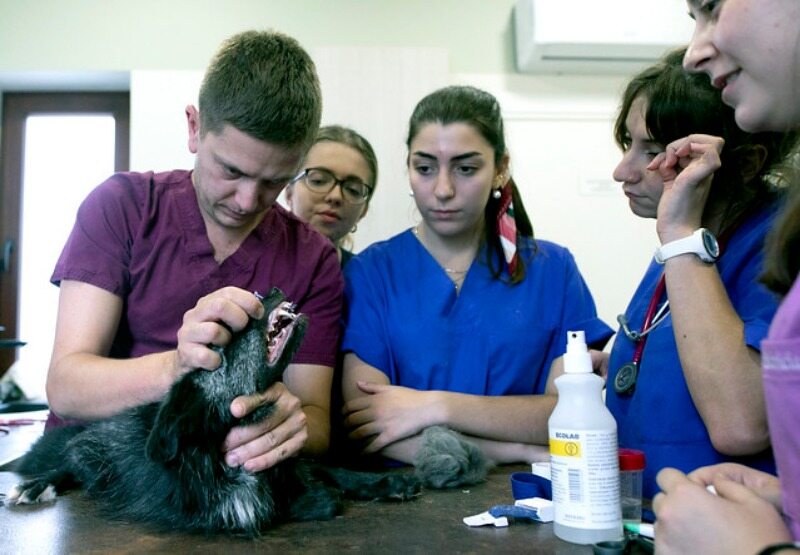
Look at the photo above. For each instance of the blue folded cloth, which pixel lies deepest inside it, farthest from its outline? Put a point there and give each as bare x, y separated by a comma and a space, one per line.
525, 485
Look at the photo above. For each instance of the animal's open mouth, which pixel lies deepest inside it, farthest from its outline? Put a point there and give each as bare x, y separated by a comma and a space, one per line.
280, 327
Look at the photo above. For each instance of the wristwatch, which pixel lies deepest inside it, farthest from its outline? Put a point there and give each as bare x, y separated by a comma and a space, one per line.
702, 243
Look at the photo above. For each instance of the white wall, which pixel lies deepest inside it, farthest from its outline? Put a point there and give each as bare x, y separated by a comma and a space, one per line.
103, 35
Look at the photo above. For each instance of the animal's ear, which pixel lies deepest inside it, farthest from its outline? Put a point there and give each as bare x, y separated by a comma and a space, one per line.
170, 424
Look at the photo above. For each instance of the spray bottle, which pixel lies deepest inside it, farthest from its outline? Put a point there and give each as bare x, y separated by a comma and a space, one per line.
584, 464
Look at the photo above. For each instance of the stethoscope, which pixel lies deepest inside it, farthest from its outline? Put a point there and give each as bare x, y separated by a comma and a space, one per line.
625, 380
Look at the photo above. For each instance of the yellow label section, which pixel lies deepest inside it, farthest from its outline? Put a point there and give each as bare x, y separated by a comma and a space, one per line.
562, 448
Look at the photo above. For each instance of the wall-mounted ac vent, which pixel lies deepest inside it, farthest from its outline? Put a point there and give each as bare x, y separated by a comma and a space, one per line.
597, 36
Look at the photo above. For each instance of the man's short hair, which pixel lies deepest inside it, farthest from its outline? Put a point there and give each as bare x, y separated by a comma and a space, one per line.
264, 84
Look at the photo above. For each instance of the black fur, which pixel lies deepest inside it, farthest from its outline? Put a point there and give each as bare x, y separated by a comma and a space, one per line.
161, 463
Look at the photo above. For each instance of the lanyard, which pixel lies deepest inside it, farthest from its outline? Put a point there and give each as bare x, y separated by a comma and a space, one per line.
648, 319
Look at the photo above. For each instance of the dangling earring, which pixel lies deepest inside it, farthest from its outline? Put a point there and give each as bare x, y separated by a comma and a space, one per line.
355, 228
499, 183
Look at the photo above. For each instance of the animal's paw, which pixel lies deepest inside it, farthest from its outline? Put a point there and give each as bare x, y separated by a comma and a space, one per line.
400, 487
318, 502
446, 460
388, 486
31, 492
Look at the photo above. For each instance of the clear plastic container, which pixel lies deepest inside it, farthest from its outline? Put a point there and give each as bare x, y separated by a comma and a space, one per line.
631, 467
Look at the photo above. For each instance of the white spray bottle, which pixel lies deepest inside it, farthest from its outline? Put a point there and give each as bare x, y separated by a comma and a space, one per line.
584, 461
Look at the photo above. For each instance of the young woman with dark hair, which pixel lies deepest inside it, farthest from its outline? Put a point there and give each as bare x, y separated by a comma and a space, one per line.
676, 369
458, 321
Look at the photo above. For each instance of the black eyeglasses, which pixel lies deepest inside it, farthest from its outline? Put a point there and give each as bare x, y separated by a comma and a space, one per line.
322, 181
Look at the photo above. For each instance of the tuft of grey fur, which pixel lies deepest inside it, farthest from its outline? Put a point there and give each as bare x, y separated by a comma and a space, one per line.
447, 460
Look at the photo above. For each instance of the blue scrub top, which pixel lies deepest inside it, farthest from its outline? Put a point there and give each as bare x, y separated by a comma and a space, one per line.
405, 318
660, 417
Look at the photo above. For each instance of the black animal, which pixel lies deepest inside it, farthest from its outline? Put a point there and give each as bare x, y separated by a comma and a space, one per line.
161, 463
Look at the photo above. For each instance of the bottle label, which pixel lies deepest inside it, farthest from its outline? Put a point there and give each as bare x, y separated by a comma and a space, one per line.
584, 470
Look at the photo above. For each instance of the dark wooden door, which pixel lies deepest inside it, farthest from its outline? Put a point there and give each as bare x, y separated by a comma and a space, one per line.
16, 109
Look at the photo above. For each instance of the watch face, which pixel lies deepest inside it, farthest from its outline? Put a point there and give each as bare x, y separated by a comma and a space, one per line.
710, 243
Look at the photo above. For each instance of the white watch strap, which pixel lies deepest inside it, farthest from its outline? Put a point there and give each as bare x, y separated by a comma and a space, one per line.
676, 248
693, 244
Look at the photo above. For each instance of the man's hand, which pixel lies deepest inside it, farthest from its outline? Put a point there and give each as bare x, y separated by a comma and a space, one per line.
264, 444
211, 322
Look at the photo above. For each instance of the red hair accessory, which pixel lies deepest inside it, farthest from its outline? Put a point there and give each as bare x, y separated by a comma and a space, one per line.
507, 227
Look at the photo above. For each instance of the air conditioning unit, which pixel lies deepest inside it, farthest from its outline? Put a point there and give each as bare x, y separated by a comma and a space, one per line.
597, 36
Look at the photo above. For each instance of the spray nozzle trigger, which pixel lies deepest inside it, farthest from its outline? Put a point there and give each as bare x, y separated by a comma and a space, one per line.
577, 359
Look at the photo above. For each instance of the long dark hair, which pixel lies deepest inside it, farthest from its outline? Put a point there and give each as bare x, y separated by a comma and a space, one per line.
680, 104
481, 111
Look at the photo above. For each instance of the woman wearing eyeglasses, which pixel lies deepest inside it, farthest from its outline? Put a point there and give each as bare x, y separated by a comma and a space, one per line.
458, 320
684, 377
333, 191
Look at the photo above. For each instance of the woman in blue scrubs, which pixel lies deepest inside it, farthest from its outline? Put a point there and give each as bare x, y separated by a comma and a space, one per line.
684, 378
458, 321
